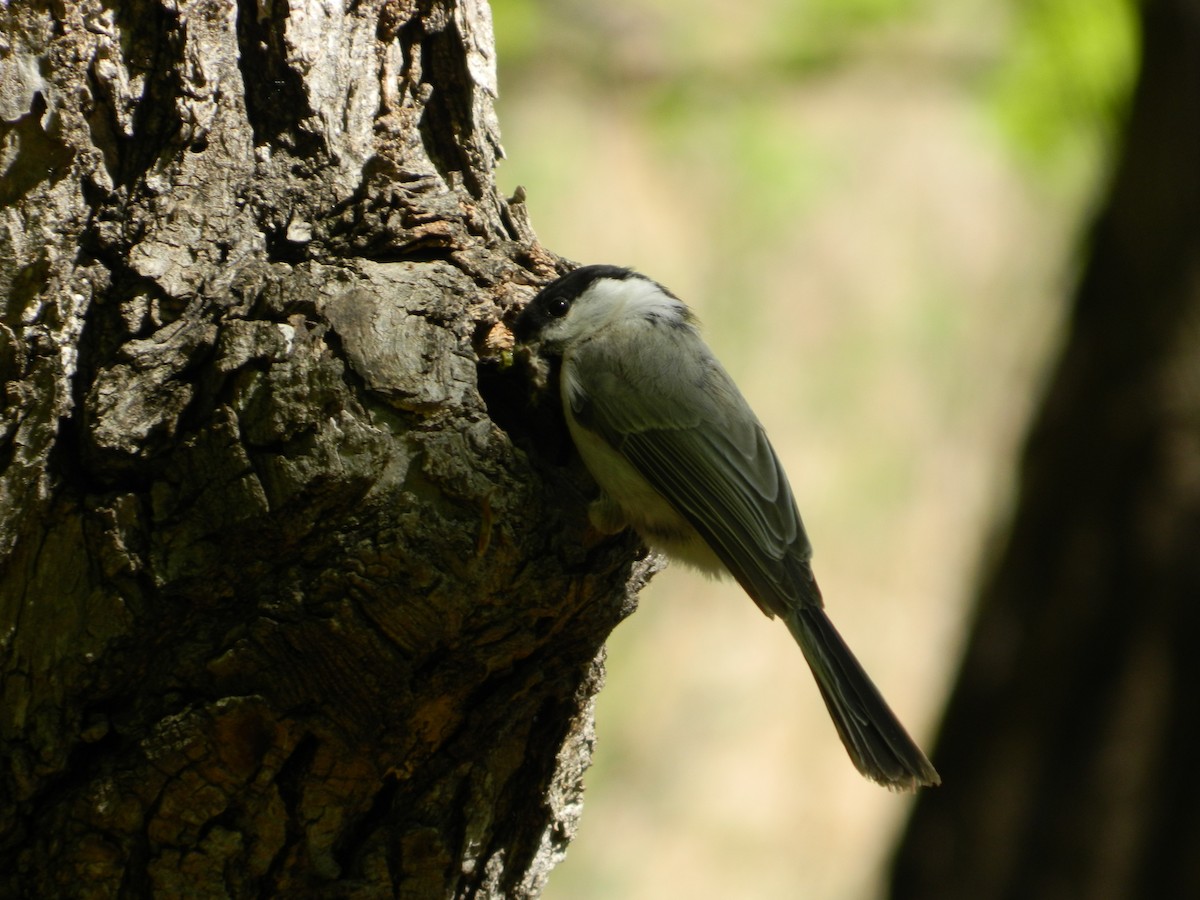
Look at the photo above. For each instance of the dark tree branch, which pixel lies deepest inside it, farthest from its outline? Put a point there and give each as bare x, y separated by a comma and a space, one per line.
1067, 747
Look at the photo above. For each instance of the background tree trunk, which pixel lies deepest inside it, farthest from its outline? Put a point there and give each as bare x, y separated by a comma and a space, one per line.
283, 612
1069, 742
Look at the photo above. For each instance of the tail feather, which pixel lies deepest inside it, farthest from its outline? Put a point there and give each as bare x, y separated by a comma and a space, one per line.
876, 741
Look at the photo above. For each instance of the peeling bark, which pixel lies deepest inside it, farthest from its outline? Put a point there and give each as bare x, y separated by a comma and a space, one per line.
294, 599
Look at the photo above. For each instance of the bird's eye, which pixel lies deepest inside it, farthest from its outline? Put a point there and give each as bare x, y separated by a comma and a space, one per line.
558, 307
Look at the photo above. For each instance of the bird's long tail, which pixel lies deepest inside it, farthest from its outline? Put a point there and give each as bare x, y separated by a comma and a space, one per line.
876, 741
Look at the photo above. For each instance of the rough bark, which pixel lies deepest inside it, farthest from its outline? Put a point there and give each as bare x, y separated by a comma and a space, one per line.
283, 610
1069, 741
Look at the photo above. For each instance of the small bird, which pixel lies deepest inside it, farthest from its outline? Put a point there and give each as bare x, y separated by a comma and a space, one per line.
680, 457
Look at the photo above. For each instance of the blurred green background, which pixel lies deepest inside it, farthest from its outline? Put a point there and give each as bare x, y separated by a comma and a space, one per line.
877, 208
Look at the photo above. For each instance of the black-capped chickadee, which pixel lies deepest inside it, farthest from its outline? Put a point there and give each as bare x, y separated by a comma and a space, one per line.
679, 456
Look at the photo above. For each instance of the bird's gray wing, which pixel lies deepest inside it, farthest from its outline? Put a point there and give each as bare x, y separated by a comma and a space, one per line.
695, 439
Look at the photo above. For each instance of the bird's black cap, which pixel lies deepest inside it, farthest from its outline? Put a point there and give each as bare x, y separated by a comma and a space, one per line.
541, 309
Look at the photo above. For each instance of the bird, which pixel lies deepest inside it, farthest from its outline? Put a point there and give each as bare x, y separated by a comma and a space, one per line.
679, 456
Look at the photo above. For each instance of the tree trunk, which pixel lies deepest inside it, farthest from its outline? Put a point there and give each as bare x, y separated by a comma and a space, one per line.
283, 610
1070, 739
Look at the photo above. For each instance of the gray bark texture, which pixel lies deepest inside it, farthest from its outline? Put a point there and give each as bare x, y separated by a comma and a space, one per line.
284, 610
1069, 745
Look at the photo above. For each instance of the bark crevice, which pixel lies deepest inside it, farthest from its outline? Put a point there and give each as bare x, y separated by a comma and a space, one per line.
276, 591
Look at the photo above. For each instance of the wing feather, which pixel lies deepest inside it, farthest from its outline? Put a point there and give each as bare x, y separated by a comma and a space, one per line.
708, 455
694, 439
